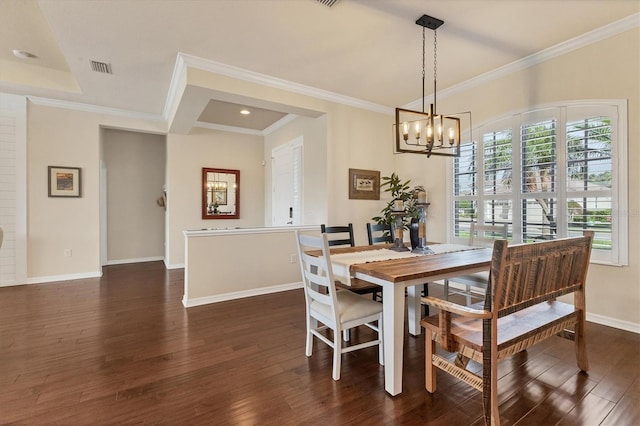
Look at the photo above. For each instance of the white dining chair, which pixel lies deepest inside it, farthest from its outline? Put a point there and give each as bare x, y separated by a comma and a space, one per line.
479, 236
328, 308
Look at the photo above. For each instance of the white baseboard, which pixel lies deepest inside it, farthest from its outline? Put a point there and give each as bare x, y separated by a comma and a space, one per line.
173, 265
136, 260
69, 277
188, 303
613, 322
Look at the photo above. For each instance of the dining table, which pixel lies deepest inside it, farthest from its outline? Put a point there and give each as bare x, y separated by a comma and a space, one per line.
404, 274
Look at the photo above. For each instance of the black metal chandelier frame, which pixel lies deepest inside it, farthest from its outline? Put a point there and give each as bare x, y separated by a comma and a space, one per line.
423, 132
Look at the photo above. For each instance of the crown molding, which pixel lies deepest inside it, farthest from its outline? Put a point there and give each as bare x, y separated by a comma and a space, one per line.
583, 40
176, 85
278, 83
96, 109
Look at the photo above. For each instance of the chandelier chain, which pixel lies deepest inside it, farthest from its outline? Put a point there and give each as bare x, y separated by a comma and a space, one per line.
423, 65
435, 65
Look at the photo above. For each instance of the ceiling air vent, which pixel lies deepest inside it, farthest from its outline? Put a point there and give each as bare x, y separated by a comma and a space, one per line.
102, 67
327, 3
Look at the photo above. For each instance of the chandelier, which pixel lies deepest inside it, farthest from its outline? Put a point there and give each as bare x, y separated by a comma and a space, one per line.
427, 132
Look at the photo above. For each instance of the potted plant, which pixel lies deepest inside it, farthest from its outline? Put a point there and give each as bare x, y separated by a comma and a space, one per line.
399, 190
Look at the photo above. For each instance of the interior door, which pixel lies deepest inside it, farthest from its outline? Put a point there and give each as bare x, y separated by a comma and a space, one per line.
286, 180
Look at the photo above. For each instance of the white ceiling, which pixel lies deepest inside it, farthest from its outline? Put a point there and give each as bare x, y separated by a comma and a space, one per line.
369, 50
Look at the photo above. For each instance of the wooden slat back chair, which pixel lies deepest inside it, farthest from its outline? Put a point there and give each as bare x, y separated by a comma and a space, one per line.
346, 238
480, 236
379, 233
345, 233
329, 308
519, 311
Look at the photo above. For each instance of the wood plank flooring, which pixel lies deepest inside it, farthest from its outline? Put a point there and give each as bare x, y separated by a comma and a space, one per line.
123, 350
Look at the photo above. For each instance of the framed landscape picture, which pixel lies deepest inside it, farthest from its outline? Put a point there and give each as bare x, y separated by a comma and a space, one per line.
64, 181
364, 184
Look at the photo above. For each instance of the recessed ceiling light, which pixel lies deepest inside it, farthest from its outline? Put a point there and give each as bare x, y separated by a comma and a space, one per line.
245, 112
23, 54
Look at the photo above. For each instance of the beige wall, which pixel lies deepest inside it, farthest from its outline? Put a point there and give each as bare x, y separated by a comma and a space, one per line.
356, 138
219, 268
62, 137
135, 164
186, 156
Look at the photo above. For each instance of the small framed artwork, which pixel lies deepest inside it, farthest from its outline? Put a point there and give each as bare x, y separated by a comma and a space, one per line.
364, 184
64, 181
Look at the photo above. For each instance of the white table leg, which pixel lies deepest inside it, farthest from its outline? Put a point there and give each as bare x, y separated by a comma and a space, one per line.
393, 323
413, 304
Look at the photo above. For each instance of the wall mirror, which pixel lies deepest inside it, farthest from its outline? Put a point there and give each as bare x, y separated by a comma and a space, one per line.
220, 193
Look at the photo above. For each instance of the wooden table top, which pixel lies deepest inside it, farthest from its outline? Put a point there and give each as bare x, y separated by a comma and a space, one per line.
396, 270
418, 267
426, 266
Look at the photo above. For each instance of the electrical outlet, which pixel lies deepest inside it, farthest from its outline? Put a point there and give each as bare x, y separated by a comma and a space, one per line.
293, 258
68, 253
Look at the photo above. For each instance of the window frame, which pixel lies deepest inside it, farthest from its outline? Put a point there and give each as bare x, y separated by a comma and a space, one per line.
562, 112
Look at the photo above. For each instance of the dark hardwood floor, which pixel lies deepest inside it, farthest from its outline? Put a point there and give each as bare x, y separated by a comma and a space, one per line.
123, 350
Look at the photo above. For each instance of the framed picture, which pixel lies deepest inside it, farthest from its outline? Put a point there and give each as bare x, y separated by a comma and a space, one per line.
364, 184
64, 181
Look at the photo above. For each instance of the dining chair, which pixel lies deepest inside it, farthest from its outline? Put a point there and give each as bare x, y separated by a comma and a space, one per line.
379, 233
479, 236
330, 308
346, 238
342, 239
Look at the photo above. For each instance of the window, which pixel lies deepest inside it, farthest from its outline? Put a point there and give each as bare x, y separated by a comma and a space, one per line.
549, 173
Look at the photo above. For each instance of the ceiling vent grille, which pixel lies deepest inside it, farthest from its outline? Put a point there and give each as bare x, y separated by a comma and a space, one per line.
328, 3
102, 67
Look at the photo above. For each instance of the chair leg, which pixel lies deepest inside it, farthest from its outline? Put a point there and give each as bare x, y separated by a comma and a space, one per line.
337, 356
446, 289
380, 345
490, 374
581, 344
425, 293
429, 368
309, 346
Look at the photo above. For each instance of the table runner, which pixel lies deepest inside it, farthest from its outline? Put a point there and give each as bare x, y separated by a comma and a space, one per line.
342, 262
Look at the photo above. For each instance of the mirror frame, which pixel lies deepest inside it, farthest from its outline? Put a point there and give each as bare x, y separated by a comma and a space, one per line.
205, 214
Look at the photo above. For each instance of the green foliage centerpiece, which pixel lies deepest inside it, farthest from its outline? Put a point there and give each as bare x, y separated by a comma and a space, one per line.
399, 190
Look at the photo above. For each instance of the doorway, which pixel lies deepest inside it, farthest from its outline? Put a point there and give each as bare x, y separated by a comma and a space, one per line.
132, 180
